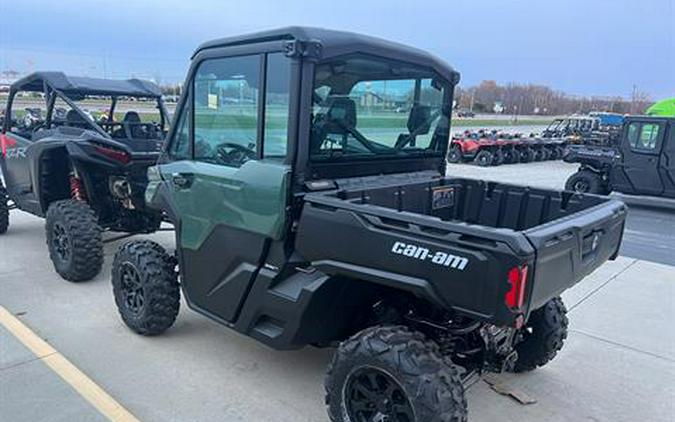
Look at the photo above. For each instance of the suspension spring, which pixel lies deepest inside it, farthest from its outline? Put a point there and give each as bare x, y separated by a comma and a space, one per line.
77, 189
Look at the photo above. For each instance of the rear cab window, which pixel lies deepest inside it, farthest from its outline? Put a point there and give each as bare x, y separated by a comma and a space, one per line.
644, 137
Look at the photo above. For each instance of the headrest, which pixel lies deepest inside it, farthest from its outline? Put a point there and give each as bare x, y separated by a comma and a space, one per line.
419, 120
132, 117
74, 117
342, 110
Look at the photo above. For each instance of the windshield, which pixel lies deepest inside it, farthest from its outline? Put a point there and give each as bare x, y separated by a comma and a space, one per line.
365, 108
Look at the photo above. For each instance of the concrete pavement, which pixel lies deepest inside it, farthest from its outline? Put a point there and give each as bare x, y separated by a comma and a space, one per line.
618, 363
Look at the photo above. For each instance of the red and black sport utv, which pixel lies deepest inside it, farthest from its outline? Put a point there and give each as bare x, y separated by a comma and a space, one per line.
83, 171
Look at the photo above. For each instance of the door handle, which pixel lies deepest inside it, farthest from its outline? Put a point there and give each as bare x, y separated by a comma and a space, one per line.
181, 180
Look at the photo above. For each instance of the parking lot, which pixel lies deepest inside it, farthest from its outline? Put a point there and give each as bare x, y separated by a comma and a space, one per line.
618, 363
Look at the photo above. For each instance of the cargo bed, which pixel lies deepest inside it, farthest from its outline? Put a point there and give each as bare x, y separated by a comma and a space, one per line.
560, 236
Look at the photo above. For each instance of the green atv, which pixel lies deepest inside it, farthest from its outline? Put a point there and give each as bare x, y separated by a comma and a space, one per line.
305, 176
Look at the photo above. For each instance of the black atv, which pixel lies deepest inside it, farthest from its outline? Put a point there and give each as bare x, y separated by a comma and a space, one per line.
83, 173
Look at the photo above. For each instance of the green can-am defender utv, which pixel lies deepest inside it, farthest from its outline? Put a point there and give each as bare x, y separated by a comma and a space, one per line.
83, 171
305, 176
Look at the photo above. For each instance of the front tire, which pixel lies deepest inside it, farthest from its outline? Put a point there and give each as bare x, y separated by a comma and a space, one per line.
543, 336
585, 181
4, 209
74, 240
145, 286
484, 158
455, 155
390, 373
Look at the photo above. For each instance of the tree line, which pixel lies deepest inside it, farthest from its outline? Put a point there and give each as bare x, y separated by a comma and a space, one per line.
515, 99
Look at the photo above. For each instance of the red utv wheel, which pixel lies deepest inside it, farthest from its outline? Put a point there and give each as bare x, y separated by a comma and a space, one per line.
455, 154
555, 154
498, 158
538, 154
484, 158
545, 154
526, 155
561, 152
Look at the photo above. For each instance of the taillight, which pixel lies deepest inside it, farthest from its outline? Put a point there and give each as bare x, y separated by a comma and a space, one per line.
515, 297
116, 154
5, 143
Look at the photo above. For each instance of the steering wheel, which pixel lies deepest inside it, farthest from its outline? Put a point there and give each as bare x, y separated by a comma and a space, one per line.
237, 154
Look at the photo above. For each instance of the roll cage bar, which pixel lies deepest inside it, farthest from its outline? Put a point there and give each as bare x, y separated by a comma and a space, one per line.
52, 93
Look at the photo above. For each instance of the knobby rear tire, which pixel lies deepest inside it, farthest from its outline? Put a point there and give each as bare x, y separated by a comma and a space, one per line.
78, 224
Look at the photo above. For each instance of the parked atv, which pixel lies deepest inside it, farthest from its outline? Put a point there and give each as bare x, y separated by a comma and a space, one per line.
493, 148
330, 222
641, 163
83, 176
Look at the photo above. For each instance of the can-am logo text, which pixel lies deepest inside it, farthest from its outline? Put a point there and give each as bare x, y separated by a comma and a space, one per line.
424, 254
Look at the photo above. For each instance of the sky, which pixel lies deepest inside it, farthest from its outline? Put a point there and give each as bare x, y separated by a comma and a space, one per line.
583, 47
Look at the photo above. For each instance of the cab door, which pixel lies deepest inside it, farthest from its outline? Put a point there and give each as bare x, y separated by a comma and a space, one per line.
228, 177
667, 161
643, 142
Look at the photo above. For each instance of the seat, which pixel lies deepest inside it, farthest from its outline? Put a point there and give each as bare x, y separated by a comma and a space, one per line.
132, 125
74, 119
339, 119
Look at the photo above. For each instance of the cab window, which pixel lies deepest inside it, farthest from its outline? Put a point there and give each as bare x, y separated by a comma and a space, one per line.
633, 129
180, 146
230, 126
225, 104
649, 136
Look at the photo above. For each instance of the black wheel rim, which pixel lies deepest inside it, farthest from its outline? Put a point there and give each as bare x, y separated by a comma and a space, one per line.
132, 288
61, 242
372, 395
581, 186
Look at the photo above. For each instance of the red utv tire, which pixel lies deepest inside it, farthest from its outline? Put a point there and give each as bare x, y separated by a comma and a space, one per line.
526, 155
498, 158
484, 158
555, 154
546, 154
455, 154
538, 154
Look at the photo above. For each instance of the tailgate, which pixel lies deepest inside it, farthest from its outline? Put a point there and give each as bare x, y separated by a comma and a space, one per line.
570, 248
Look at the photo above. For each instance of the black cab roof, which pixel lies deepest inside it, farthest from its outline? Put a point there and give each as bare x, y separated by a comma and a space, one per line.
336, 43
79, 85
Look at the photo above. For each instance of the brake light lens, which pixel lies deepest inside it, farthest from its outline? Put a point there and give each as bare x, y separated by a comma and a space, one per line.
116, 154
5, 143
517, 278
